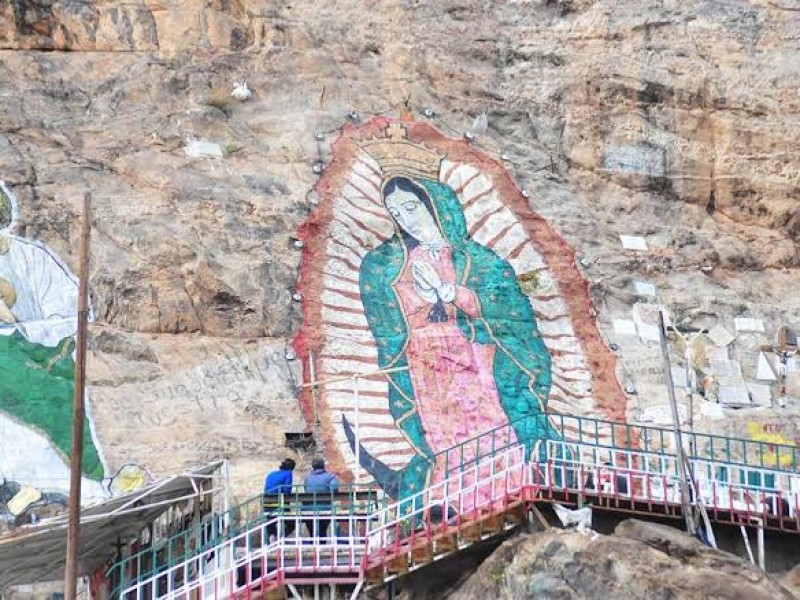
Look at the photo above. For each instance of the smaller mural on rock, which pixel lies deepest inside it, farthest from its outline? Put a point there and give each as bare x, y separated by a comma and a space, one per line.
782, 447
38, 324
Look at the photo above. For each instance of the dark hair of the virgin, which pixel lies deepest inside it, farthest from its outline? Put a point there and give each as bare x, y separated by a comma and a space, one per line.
437, 314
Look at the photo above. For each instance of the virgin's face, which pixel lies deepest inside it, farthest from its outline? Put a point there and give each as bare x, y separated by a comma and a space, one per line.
410, 213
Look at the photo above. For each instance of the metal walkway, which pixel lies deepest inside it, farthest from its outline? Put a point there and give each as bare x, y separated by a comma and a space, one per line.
629, 468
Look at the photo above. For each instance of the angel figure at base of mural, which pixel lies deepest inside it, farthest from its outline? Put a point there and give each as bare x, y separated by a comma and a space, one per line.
38, 322
450, 311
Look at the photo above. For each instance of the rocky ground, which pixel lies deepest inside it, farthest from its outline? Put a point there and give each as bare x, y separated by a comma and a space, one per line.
638, 561
670, 120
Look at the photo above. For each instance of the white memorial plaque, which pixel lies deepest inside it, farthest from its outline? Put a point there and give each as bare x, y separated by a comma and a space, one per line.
720, 336
633, 242
734, 395
748, 324
764, 370
760, 393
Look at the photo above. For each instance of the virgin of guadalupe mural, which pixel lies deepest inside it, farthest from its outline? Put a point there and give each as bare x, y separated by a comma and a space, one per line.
38, 323
422, 264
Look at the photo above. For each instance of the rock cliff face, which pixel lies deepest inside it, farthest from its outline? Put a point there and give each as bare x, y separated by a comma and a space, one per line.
640, 560
669, 120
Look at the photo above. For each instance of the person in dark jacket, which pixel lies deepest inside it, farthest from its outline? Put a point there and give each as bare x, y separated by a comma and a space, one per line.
278, 482
323, 484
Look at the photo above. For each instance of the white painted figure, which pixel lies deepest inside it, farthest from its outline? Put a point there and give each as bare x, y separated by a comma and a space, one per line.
38, 301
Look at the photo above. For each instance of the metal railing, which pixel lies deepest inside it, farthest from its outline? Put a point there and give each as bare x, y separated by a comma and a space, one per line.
637, 481
564, 454
350, 500
249, 560
614, 435
448, 505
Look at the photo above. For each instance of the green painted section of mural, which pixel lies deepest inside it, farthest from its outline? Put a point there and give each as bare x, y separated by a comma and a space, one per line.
476, 361
36, 388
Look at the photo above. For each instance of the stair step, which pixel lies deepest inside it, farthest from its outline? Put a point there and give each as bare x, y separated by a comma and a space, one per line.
471, 533
422, 554
374, 576
516, 516
446, 543
274, 594
398, 565
493, 524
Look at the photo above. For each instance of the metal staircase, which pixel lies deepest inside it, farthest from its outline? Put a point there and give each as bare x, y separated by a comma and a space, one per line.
612, 466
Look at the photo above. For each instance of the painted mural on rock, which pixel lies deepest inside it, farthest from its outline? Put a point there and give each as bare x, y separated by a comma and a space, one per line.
427, 276
38, 324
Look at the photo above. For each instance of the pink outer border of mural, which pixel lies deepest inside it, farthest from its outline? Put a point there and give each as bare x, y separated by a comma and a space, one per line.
559, 257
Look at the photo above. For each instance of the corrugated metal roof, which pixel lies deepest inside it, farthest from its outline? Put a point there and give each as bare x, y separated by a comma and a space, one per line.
37, 553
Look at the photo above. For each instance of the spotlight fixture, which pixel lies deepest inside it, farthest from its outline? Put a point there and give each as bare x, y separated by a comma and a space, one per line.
317, 168
613, 347
289, 354
354, 116
319, 136
428, 113
469, 136
526, 194
297, 297
297, 244
629, 389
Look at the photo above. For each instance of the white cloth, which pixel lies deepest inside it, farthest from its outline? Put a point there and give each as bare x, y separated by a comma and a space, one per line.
45, 313
47, 293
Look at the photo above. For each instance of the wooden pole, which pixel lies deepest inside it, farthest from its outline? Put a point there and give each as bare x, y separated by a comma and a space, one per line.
76, 462
676, 426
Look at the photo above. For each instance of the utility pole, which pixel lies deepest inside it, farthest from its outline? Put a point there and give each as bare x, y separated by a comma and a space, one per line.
676, 426
76, 462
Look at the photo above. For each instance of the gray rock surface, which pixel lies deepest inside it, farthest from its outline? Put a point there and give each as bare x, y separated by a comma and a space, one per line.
671, 120
639, 561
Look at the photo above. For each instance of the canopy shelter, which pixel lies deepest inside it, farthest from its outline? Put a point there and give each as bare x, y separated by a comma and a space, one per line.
37, 553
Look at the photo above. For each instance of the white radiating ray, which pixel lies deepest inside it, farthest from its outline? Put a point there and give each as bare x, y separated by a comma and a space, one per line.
486, 204
528, 260
365, 167
333, 298
572, 374
341, 269
369, 233
379, 386
512, 238
550, 309
361, 336
338, 249
337, 283
556, 327
494, 224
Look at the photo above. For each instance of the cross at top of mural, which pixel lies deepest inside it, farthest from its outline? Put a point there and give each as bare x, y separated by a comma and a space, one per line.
427, 276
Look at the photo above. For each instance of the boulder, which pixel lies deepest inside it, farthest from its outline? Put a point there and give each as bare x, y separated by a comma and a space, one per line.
640, 560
